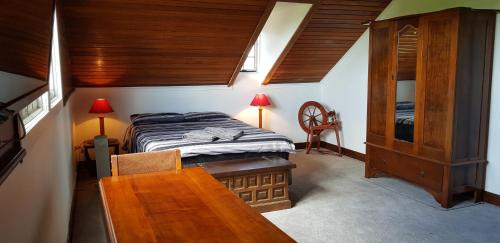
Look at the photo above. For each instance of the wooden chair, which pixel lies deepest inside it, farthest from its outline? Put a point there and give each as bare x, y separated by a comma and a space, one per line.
139, 163
315, 131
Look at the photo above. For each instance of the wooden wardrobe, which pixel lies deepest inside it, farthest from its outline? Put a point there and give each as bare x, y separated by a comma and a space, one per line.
428, 100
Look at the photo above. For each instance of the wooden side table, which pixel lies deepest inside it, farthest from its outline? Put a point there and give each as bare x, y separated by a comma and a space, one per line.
89, 144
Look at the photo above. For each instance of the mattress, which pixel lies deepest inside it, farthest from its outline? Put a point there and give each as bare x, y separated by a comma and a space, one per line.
168, 134
194, 160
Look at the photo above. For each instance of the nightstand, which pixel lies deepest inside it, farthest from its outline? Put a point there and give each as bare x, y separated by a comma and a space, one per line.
112, 143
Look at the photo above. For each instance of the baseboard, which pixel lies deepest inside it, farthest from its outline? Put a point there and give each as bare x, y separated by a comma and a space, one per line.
300, 145
347, 152
71, 222
491, 198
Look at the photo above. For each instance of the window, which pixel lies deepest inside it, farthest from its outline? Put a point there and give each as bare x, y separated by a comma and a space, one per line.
251, 62
55, 93
37, 109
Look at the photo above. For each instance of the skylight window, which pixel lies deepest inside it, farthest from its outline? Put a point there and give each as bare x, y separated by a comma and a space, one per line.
251, 62
36, 110
55, 68
279, 29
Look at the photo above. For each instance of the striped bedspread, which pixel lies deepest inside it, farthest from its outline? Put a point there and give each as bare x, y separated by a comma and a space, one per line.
405, 112
168, 135
405, 117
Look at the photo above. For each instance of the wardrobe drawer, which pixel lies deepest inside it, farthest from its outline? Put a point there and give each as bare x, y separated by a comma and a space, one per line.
422, 172
380, 159
431, 175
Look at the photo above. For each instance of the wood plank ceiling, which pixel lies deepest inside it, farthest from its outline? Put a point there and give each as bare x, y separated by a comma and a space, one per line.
25, 37
158, 42
332, 28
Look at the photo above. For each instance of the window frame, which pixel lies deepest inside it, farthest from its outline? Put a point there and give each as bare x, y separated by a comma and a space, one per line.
37, 115
256, 55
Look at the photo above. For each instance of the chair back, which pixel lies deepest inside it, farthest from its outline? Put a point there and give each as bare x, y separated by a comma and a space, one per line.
139, 163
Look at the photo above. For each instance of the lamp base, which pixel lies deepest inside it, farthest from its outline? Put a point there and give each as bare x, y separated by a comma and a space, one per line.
260, 117
101, 125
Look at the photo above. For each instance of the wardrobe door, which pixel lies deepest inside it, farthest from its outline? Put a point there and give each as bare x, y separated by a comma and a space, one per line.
436, 70
402, 111
381, 34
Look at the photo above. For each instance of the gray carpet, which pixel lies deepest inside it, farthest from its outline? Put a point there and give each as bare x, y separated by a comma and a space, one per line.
335, 203
416, 193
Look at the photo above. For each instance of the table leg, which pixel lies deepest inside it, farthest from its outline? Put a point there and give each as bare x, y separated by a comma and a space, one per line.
86, 153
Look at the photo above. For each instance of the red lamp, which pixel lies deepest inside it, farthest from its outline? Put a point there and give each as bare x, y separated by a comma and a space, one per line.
260, 100
100, 107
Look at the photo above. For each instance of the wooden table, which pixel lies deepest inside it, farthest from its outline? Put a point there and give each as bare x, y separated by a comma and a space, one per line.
261, 182
190, 206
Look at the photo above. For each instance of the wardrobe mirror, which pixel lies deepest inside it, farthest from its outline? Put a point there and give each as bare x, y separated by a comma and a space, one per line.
405, 82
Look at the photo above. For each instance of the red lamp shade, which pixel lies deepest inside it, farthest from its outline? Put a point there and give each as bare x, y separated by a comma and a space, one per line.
260, 100
100, 106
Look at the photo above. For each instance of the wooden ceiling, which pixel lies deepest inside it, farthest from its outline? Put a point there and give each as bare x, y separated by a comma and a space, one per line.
25, 37
328, 32
158, 42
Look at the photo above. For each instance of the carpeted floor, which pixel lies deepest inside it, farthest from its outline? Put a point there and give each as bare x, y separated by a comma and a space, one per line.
335, 203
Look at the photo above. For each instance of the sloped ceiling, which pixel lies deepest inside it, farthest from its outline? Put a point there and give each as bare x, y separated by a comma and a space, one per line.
25, 37
158, 42
329, 31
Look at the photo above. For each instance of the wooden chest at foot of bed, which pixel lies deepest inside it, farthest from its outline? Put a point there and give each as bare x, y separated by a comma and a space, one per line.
261, 182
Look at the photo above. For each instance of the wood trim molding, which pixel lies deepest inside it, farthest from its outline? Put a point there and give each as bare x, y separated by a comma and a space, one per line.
302, 1
345, 151
251, 42
68, 95
71, 224
292, 41
491, 198
301, 145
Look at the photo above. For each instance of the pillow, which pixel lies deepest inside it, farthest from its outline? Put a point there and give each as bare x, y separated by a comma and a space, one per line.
196, 116
156, 118
405, 105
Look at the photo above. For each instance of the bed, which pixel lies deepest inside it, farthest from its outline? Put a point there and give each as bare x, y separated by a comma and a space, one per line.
160, 131
405, 113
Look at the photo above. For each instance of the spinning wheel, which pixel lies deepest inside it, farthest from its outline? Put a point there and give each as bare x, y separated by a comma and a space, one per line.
314, 119
312, 114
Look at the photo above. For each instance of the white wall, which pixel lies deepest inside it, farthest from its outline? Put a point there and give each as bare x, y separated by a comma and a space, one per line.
345, 86
493, 168
406, 90
35, 200
281, 117
344, 89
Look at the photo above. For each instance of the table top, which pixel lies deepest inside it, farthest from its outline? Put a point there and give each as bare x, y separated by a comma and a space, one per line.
245, 166
111, 141
178, 207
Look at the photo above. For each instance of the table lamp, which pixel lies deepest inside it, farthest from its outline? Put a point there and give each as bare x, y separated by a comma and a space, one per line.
100, 107
260, 100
